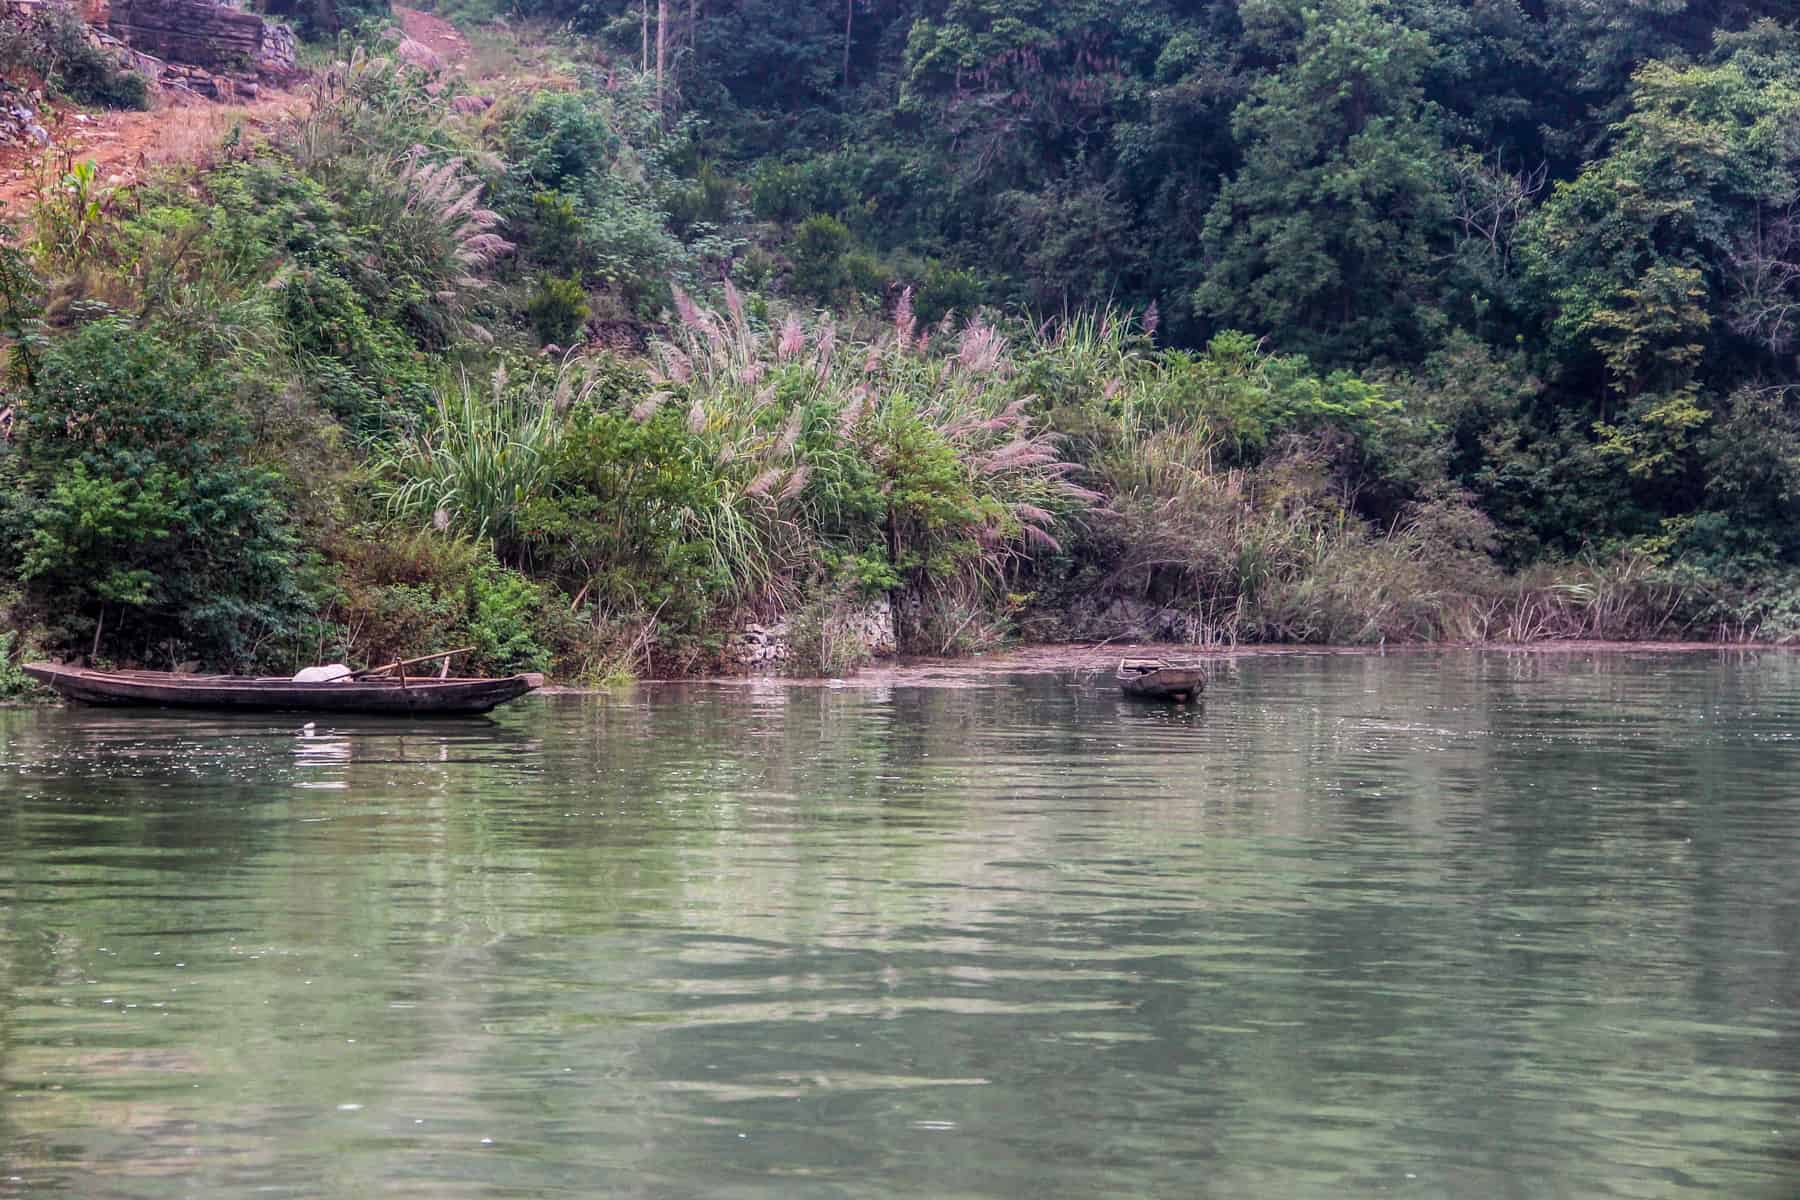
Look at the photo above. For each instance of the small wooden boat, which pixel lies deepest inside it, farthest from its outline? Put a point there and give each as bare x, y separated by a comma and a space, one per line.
373, 691
1159, 679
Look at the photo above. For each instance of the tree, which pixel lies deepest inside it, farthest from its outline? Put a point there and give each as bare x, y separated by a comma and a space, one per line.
1327, 237
140, 497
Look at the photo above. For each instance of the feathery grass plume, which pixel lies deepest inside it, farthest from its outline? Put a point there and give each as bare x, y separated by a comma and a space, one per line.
793, 339
981, 349
696, 418
762, 483
905, 322
1152, 318
1010, 417
925, 459
796, 482
852, 412
427, 224
646, 408
687, 310
734, 304
790, 433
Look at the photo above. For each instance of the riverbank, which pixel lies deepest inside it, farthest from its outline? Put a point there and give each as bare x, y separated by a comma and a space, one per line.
977, 669
451, 408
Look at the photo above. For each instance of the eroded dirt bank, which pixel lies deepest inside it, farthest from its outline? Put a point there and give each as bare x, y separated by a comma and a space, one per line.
979, 669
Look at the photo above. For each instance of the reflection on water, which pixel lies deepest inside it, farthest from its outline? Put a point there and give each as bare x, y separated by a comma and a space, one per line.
1461, 925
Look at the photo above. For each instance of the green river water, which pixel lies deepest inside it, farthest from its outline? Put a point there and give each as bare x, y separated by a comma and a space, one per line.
1422, 925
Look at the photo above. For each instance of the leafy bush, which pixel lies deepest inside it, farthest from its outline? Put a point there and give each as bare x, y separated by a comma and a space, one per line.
944, 290
141, 507
322, 20
412, 594
13, 682
52, 42
587, 185
558, 309
818, 250
642, 524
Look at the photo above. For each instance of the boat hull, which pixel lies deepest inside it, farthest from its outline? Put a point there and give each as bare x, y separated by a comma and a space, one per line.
417, 697
1178, 684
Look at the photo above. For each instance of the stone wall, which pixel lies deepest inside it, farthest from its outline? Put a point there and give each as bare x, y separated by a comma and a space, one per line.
1120, 618
200, 33
760, 648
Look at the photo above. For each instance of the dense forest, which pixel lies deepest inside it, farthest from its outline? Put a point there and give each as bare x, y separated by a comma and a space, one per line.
1207, 320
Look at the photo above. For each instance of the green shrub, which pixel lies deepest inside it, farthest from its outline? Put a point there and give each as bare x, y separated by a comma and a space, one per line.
644, 524
944, 289
140, 504
52, 42
512, 622
780, 192
817, 251
13, 682
324, 20
558, 309
588, 189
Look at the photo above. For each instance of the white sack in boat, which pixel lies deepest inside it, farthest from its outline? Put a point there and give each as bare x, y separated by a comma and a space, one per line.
326, 674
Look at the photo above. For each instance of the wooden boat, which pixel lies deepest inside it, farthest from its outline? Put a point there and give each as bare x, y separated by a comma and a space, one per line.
362, 692
1159, 679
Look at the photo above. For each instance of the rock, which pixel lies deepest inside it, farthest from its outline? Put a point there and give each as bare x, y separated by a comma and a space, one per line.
201, 33
419, 55
757, 647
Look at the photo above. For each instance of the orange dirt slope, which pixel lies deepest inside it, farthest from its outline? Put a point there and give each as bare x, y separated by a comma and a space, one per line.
179, 128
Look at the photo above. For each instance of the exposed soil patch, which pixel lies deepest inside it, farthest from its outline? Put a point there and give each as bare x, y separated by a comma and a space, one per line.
180, 128
432, 31
126, 145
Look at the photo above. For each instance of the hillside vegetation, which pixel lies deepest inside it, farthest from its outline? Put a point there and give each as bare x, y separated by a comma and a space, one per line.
1235, 321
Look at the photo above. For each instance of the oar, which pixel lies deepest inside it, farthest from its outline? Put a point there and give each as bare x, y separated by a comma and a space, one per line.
401, 664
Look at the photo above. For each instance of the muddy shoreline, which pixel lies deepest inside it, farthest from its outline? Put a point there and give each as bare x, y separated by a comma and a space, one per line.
1054, 659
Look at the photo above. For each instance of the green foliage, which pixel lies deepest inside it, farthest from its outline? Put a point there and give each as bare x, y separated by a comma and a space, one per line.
1342, 197
643, 524
69, 221
483, 455
506, 620
409, 594
14, 683
138, 497
1522, 287
944, 290
593, 190
323, 20
52, 42
818, 251
558, 309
